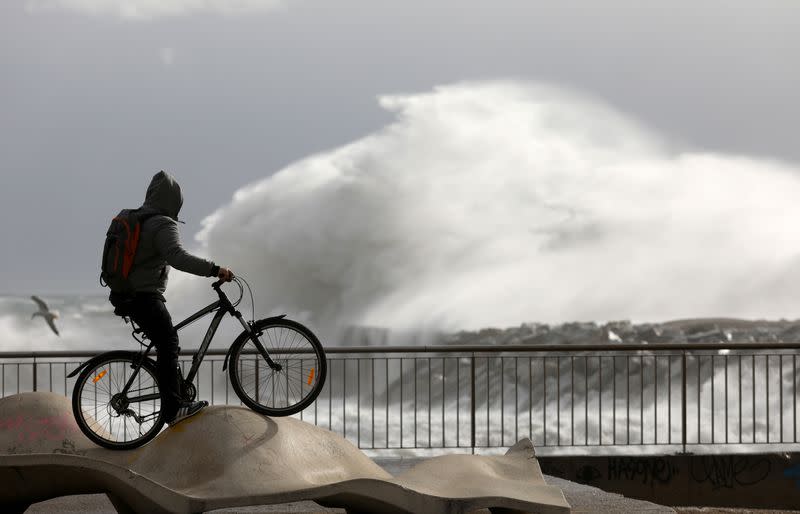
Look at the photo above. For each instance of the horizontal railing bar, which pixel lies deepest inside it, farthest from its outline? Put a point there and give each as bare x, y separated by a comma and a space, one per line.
477, 348
566, 348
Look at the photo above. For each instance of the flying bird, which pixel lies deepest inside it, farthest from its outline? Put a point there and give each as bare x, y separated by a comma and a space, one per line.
46, 313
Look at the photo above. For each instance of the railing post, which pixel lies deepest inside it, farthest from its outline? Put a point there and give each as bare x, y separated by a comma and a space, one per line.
684, 397
472, 403
34, 374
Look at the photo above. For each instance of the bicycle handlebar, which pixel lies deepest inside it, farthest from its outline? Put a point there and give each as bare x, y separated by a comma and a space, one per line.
218, 283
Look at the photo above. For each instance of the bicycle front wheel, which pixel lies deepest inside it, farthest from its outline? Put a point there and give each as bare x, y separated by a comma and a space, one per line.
288, 390
108, 414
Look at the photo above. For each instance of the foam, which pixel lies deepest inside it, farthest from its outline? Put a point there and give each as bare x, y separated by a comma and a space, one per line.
490, 204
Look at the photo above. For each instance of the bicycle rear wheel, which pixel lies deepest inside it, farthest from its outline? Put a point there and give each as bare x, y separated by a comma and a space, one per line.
286, 391
107, 416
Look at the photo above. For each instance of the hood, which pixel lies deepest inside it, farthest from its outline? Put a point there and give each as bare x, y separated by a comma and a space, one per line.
164, 195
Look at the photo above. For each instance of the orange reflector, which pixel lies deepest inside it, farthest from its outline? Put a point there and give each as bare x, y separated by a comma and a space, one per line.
310, 376
98, 377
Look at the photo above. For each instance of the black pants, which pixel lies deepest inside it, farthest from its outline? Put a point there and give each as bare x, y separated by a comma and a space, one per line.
150, 313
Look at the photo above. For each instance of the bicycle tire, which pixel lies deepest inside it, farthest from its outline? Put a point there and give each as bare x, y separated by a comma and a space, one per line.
302, 371
106, 366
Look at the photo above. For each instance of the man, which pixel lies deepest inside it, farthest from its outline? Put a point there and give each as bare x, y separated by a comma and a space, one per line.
159, 248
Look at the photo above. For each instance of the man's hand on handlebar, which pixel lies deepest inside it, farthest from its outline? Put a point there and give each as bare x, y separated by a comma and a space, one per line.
225, 274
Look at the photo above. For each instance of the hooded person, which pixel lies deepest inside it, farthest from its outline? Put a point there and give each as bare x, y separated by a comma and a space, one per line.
158, 250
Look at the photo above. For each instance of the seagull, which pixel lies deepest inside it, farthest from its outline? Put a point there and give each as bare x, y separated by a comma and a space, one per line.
46, 313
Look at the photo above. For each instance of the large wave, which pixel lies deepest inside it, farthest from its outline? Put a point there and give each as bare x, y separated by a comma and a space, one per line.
494, 203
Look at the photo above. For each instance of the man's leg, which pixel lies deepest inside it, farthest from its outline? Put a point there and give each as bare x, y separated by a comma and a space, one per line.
152, 315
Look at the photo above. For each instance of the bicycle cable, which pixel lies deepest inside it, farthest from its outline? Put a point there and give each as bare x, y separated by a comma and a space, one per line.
241, 292
250, 290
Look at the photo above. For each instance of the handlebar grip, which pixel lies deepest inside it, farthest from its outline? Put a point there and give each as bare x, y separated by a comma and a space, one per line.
218, 283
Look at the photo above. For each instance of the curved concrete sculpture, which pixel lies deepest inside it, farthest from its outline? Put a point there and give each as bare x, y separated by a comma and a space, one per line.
230, 456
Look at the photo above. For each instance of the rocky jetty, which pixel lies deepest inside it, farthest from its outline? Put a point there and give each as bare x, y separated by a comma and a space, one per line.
703, 330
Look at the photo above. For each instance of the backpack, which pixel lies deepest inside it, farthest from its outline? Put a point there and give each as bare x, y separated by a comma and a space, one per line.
119, 250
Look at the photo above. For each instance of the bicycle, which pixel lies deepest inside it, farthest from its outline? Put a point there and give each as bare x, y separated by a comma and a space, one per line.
117, 398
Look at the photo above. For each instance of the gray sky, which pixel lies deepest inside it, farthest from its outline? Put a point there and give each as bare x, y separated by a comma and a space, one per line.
92, 104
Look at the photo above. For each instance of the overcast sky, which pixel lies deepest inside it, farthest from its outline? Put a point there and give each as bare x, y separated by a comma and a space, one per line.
94, 100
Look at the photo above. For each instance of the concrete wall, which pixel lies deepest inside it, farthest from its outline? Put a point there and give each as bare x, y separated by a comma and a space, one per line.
748, 481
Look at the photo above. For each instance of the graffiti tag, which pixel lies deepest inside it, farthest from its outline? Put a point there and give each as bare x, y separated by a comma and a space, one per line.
48, 428
650, 471
729, 470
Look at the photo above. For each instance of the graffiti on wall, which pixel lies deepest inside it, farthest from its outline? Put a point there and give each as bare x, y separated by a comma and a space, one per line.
20, 431
649, 470
729, 471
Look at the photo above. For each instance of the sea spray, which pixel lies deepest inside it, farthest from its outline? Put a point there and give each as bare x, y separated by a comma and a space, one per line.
490, 204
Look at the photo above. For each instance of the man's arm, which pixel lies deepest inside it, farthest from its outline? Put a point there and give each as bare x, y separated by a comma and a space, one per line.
168, 243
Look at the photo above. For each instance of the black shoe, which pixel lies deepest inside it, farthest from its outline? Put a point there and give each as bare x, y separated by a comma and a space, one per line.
186, 410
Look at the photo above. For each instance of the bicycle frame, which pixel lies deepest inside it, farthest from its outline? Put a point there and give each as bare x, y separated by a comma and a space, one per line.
223, 306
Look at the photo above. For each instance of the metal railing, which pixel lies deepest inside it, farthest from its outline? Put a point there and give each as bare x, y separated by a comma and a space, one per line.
600, 399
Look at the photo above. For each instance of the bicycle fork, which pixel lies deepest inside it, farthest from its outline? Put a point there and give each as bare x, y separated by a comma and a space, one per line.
257, 342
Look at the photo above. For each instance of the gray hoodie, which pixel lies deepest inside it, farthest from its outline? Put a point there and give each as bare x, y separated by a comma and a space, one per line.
159, 242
